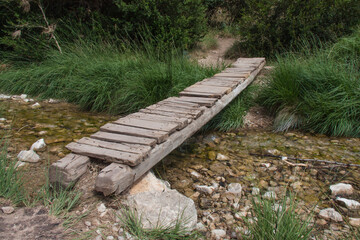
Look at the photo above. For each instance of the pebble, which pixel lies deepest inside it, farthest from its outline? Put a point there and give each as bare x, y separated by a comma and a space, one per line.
222, 157
23, 96
7, 210
200, 227
234, 188
98, 237
204, 189
195, 174
269, 195
36, 106
20, 164
355, 222
39, 145
341, 189
101, 208
349, 204
267, 165
110, 238
255, 191
321, 222
330, 214
28, 156
218, 233
87, 223
2, 119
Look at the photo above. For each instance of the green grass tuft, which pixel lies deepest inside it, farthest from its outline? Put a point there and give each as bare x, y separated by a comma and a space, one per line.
277, 223
105, 77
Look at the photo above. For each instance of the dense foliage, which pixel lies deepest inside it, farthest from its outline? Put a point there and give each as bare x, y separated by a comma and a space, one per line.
267, 27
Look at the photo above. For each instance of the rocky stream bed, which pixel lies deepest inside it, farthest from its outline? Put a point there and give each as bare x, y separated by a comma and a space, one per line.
220, 172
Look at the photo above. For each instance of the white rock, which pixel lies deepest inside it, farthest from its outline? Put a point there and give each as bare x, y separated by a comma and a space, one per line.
2, 96
341, 189
355, 222
2, 119
267, 165
222, 157
7, 210
218, 234
200, 227
148, 183
53, 100
195, 174
23, 96
36, 106
28, 156
20, 164
98, 237
39, 145
255, 191
110, 238
277, 207
349, 204
164, 209
87, 223
269, 195
205, 189
330, 214
101, 208
235, 188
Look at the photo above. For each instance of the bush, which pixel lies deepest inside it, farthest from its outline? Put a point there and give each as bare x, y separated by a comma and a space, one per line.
102, 77
315, 92
267, 27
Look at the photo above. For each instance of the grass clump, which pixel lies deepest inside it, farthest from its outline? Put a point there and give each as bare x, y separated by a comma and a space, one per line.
316, 91
232, 116
277, 221
132, 225
11, 185
104, 77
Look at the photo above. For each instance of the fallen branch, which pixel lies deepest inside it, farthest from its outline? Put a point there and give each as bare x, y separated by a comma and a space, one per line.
308, 160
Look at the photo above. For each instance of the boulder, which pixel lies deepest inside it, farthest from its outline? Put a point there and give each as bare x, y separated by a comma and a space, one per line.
330, 214
165, 208
28, 156
148, 183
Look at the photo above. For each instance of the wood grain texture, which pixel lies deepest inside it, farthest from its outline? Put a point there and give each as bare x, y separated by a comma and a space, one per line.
147, 124
122, 138
183, 122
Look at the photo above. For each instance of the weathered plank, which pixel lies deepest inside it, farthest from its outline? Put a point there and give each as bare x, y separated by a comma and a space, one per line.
122, 138
233, 75
160, 136
219, 83
146, 124
109, 178
161, 150
208, 102
178, 106
68, 170
183, 122
195, 113
200, 94
109, 155
177, 100
169, 114
206, 89
143, 151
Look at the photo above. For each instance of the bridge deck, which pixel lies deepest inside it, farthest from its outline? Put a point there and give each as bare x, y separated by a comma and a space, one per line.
135, 143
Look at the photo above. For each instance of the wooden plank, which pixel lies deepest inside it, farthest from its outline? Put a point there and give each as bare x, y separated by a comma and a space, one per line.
240, 80
146, 124
194, 113
161, 150
233, 75
176, 100
160, 136
205, 89
169, 114
108, 179
183, 122
208, 102
68, 170
135, 148
220, 83
122, 138
179, 106
200, 94
239, 70
109, 155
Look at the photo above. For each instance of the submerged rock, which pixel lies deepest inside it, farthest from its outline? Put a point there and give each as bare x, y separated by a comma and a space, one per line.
330, 214
341, 189
28, 156
39, 145
164, 209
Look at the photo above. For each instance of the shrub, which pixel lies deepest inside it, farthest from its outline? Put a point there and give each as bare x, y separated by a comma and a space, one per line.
267, 27
102, 77
316, 93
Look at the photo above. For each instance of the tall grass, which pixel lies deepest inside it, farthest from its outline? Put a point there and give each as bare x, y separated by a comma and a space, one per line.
317, 90
277, 223
105, 77
11, 185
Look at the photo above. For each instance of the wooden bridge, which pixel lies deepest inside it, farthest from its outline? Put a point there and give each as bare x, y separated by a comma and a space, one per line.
135, 143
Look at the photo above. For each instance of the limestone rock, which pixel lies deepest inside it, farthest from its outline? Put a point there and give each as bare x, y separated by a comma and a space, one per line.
349, 204
28, 156
20, 164
101, 208
255, 191
341, 189
39, 145
164, 208
2, 119
222, 157
269, 195
148, 183
235, 188
36, 106
218, 233
355, 222
7, 210
330, 214
205, 189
